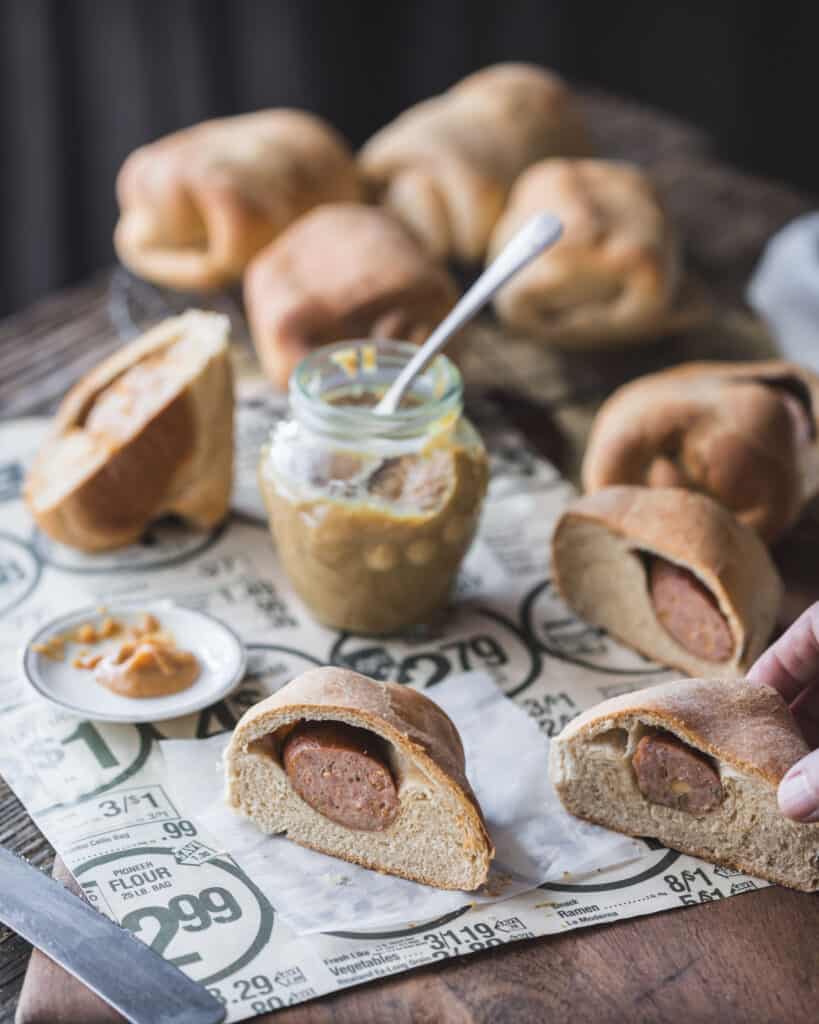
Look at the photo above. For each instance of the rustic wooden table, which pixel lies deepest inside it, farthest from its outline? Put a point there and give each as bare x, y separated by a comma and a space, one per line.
753, 958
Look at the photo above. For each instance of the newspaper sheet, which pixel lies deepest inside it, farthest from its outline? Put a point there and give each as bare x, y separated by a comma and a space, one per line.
99, 791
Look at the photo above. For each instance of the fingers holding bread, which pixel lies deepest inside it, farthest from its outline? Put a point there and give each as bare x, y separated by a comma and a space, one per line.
695, 764
367, 771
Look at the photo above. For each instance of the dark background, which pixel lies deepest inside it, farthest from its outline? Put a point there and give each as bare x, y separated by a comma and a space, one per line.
82, 82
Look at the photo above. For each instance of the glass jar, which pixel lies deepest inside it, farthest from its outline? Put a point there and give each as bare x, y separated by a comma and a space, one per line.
372, 515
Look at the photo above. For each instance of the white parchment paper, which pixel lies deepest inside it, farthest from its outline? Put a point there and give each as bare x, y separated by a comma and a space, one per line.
507, 764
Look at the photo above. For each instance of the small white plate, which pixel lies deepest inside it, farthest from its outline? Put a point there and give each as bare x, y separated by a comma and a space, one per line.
220, 652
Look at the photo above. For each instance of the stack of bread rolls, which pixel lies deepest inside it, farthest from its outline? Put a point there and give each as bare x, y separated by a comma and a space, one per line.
332, 246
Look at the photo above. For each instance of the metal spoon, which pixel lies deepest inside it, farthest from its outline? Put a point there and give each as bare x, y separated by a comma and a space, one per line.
537, 234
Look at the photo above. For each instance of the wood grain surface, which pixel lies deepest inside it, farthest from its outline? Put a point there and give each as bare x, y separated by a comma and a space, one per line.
753, 958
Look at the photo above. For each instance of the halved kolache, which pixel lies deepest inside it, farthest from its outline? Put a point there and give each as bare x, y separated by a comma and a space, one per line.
672, 574
695, 764
370, 772
148, 433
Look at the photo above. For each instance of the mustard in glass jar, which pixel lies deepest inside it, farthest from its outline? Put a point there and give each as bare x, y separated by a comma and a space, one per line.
372, 515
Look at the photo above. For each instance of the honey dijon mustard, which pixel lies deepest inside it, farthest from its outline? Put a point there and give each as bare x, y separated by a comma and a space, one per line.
372, 515
147, 662
148, 668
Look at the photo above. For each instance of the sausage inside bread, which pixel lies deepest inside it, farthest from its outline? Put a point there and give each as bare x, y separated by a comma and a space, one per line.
366, 771
148, 433
695, 764
670, 573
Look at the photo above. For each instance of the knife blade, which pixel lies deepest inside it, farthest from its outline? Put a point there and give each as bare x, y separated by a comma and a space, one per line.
123, 971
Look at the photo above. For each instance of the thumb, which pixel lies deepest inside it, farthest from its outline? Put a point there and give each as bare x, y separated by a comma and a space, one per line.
799, 790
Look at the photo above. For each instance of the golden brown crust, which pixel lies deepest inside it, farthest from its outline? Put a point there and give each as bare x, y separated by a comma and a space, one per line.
117, 459
611, 278
198, 204
420, 730
690, 530
342, 272
726, 429
741, 723
446, 164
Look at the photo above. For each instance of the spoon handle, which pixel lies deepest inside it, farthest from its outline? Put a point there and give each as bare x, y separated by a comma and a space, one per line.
537, 234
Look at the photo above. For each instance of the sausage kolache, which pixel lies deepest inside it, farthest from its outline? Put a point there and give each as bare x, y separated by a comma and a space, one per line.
343, 773
671, 773
689, 611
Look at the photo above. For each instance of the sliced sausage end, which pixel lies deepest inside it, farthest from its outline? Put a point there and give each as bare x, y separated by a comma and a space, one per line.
671, 773
343, 773
688, 611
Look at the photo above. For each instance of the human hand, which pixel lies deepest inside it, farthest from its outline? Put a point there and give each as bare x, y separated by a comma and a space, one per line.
791, 666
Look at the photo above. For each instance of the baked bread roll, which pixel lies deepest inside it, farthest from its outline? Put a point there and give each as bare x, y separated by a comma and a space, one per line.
671, 574
446, 165
343, 271
695, 764
369, 772
612, 276
148, 433
196, 205
745, 433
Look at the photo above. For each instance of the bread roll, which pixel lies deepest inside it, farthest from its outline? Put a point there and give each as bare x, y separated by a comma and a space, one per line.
436, 835
342, 272
148, 433
446, 165
742, 739
612, 276
196, 205
671, 574
745, 433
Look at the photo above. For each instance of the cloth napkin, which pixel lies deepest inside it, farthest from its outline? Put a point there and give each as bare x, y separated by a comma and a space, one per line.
784, 289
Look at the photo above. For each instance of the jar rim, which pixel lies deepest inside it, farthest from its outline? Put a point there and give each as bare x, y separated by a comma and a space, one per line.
351, 364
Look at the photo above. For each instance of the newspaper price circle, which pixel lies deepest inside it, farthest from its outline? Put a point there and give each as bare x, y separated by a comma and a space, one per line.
476, 638
78, 759
168, 900
660, 860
